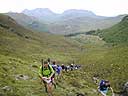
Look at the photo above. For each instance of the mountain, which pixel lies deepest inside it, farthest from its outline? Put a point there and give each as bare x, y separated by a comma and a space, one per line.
72, 21
81, 24
29, 21
43, 14
117, 34
77, 13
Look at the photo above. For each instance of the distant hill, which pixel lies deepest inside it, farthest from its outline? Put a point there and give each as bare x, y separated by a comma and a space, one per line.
117, 34
9, 24
13, 32
29, 22
72, 21
72, 13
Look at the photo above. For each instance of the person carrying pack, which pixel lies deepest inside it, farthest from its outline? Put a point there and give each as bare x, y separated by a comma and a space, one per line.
103, 87
46, 73
58, 71
54, 66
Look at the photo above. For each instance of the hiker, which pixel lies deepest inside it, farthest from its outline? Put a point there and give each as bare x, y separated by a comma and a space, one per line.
72, 67
46, 73
54, 66
103, 87
63, 67
58, 71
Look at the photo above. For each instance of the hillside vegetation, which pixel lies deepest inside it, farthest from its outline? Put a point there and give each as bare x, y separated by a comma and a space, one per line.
117, 34
103, 54
111, 61
20, 53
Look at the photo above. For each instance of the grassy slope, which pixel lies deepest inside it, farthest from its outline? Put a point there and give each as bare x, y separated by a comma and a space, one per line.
34, 43
117, 33
21, 50
109, 62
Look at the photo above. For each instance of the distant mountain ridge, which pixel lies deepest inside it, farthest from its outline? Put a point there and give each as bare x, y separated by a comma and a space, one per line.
78, 13
71, 21
44, 14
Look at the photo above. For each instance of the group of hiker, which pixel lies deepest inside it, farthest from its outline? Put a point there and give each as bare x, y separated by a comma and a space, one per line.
70, 67
49, 70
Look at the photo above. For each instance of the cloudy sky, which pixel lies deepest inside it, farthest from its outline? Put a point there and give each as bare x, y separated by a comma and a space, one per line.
99, 7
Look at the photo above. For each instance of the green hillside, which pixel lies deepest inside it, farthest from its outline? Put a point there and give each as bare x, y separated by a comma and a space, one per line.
19, 38
20, 53
117, 34
22, 49
109, 62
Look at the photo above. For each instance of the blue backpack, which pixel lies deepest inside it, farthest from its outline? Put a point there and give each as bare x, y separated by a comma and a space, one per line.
102, 83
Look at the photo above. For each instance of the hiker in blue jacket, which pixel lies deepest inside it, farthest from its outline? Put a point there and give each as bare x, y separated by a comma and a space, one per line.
103, 87
58, 71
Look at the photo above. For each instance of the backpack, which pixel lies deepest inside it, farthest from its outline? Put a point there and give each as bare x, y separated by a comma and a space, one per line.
102, 83
54, 67
48, 69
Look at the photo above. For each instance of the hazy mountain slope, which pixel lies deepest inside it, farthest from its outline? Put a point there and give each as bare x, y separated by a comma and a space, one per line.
29, 22
74, 13
72, 21
43, 14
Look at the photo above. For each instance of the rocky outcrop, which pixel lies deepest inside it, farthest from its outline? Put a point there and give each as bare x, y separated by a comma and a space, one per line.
21, 77
125, 90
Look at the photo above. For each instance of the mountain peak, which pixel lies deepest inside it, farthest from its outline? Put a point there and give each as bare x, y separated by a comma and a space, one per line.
38, 11
79, 11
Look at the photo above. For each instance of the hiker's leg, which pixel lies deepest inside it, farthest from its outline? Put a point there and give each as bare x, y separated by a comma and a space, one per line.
49, 89
53, 80
45, 85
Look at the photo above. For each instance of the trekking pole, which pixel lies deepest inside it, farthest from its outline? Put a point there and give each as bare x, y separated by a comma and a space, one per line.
42, 61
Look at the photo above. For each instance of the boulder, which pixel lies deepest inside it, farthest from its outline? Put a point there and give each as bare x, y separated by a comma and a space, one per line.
6, 88
125, 89
21, 77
